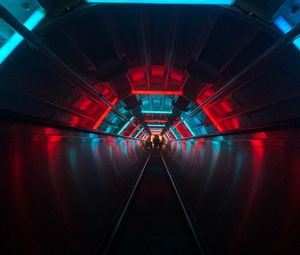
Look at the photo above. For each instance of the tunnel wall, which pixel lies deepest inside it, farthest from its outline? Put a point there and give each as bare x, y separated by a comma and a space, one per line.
242, 190
61, 190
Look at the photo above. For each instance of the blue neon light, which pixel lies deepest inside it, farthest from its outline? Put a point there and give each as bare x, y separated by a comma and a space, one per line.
156, 130
285, 27
126, 125
282, 24
156, 125
174, 133
157, 112
139, 132
188, 127
168, 136
208, 2
16, 38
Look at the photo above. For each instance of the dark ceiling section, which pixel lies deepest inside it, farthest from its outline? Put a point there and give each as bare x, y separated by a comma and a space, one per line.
28, 86
119, 49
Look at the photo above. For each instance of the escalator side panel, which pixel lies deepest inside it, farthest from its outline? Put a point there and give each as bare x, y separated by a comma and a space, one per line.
61, 190
242, 190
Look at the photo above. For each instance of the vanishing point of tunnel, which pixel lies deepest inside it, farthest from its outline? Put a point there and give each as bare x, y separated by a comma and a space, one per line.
149, 127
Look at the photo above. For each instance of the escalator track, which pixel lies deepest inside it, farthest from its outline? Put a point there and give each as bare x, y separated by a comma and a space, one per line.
154, 219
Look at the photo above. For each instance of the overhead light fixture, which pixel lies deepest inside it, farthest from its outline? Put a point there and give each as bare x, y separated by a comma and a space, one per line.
208, 2
13, 42
155, 125
156, 112
154, 121
126, 125
156, 92
286, 27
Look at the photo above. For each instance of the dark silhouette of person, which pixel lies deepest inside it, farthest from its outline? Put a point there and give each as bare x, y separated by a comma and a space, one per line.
149, 144
162, 142
156, 142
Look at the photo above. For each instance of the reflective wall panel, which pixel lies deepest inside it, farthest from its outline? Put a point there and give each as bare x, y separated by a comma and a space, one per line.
243, 191
61, 190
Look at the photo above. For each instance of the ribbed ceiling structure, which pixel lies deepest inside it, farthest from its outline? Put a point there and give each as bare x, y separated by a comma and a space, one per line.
179, 70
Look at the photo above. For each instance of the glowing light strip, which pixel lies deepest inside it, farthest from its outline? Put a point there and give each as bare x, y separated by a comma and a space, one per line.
213, 120
285, 27
139, 132
168, 136
134, 130
139, 137
174, 133
126, 125
156, 112
208, 2
188, 127
154, 121
144, 136
165, 137
179, 132
156, 125
156, 92
171, 135
16, 38
103, 116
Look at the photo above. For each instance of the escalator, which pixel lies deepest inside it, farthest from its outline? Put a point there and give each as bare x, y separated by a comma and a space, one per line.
154, 221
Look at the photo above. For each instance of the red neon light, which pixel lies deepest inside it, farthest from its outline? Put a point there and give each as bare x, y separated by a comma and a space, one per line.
103, 116
226, 106
156, 121
185, 129
171, 135
178, 130
134, 130
156, 92
213, 120
176, 75
136, 76
157, 71
141, 134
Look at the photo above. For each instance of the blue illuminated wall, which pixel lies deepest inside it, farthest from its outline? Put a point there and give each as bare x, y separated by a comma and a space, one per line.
12, 39
211, 2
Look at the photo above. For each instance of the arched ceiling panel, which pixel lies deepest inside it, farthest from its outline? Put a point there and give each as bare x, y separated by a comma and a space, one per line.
157, 64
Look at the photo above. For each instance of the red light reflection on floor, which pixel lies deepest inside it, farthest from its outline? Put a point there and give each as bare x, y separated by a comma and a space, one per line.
257, 148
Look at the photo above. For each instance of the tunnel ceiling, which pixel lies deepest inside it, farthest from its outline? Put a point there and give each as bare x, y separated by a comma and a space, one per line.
154, 65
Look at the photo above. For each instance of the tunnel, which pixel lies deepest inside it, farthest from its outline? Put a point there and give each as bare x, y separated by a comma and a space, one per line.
150, 127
